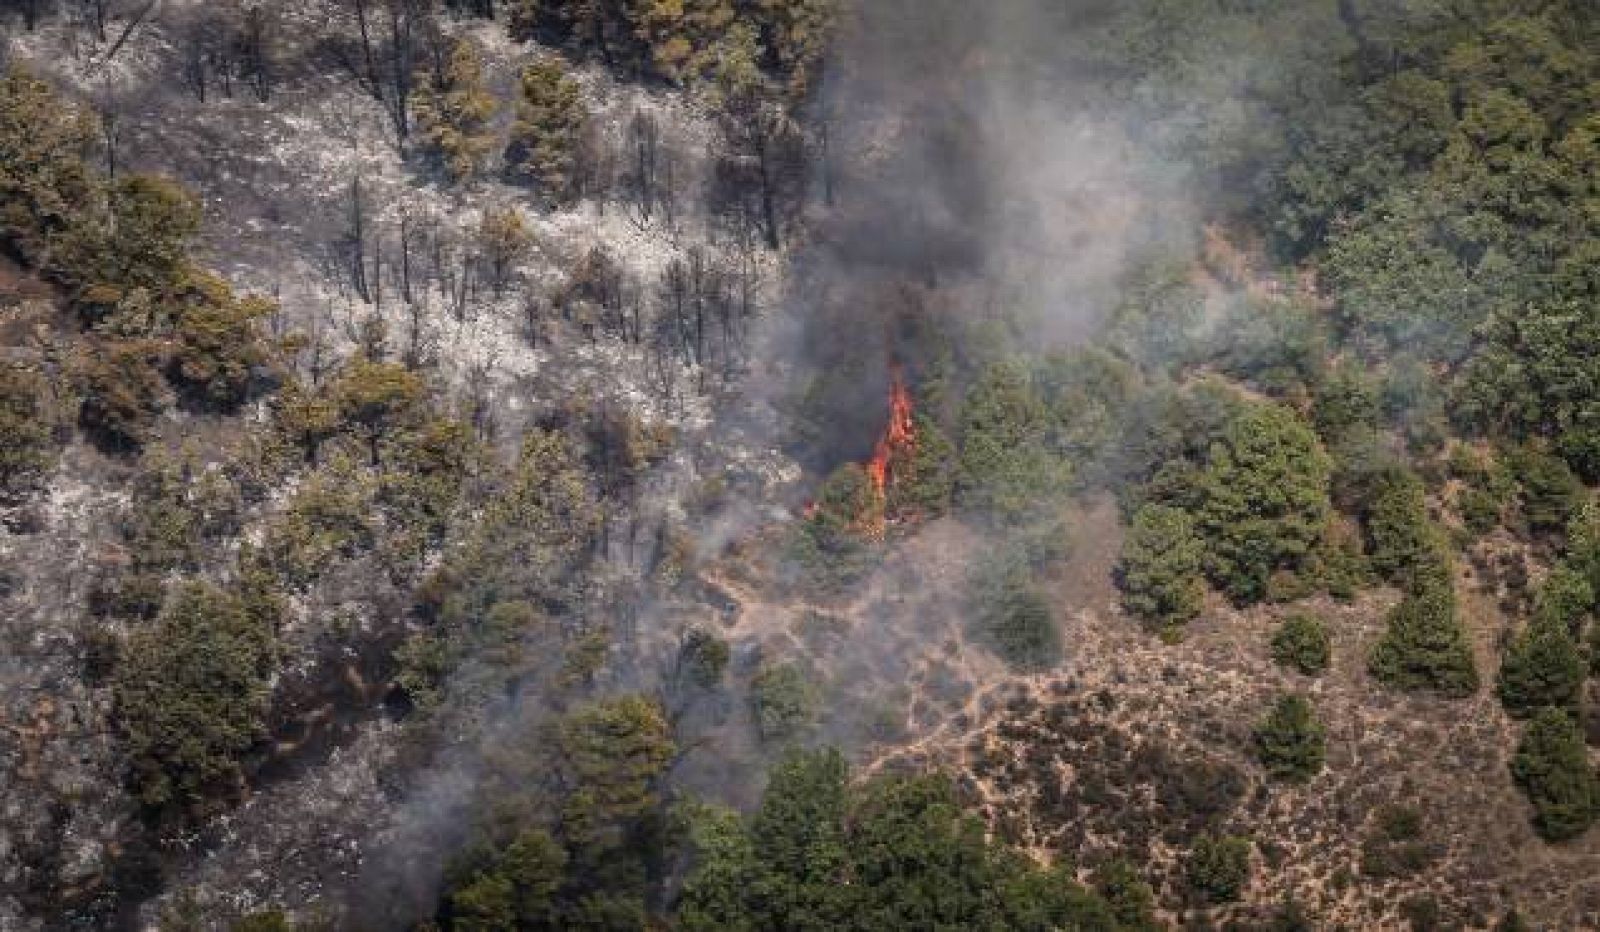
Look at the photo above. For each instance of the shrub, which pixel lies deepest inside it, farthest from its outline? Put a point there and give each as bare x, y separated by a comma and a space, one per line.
1290, 741
1394, 846
27, 437
1552, 768
1302, 642
1160, 568
123, 392
1217, 869
1011, 614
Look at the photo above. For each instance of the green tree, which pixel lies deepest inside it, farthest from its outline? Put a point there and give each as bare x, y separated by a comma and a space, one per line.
376, 400
126, 264
454, 110
895, 853
1302, 642
1290, 742
191, 698
922, 484
1263, 499
218, 349
1565, 598
1006, 464
613, 753
503, 240
798, 834
1425, 646
1550, 491
786, 701
1130, 896
516, 890
547, 132
1403, 546
1160, 571
1543, 668
1552, 767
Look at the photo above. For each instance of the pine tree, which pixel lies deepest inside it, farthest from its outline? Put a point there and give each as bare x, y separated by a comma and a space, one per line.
1543, 668
1425, 646
453, 111
1552, 768
1263, 499
1160, 568
549, 126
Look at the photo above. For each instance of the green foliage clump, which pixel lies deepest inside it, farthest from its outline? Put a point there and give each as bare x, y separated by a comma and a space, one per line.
1007, 466
1551, 494
1263, 499
45, 185
267, 920
453, 110
1344, 404
894, 853
1542, 668
120, 248
571, 826
786, 701
1160, 570
376, 400
702, 660
1552, 767
1302, 642
530, 546
1130, 896
923, 483
1218, 868
28, 446
191, 696
1011, 614
835, 542
548, 130
122, 390
1402, 544
511, 888
328, 519
1425, 646
1290, 741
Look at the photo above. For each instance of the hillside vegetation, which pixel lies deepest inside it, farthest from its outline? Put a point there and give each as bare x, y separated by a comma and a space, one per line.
799, 464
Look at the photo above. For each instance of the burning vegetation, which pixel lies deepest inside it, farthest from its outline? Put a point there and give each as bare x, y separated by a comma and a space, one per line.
873, 506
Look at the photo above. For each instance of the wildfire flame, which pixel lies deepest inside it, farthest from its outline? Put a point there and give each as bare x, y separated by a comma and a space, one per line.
898, 438
894, 448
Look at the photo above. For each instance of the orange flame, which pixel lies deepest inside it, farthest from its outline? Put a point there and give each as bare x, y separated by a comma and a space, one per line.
898, 438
